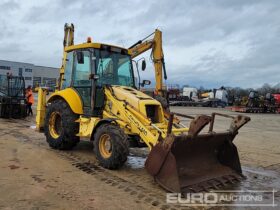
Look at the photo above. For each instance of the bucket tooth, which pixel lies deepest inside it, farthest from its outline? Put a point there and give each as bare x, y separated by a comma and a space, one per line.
205, 189
191, 189
220, 182
215, 187
228, 180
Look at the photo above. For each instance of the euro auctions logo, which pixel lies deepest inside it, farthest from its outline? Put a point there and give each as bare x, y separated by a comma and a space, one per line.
240, 198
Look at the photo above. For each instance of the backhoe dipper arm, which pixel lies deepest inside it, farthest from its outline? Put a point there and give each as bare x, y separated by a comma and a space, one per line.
156, 55
67, 41
68, 35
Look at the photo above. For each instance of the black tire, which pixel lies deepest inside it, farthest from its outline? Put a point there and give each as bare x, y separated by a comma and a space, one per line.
164, 102
119, 146
68, 128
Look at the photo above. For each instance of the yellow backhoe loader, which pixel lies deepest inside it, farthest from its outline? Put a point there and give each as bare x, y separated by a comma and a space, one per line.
97, 98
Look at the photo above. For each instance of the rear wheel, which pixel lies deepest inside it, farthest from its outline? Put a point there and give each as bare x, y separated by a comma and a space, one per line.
111, 146
60, 126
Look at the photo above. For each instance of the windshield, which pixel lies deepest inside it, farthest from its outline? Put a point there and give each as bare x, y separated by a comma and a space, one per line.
114, 68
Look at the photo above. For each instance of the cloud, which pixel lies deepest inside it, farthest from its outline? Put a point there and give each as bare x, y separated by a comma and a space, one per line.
8, 6
209, 43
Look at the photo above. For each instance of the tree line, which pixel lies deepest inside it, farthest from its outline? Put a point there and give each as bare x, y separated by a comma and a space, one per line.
240, 92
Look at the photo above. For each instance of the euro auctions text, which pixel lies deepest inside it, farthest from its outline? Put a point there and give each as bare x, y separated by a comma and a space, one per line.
224, 198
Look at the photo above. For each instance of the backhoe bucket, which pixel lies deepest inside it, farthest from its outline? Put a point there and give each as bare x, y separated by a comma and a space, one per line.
197, 162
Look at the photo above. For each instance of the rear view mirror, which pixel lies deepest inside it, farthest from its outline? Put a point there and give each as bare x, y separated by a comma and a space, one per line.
94, 76
80, 57
143, 65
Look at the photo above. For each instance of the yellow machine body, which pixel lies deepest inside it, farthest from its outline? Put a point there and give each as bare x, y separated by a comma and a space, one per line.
133, 118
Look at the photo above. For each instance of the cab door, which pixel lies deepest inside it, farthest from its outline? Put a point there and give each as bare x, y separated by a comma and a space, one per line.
81, 78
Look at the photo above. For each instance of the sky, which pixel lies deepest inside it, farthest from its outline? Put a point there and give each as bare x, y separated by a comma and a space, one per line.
206, 43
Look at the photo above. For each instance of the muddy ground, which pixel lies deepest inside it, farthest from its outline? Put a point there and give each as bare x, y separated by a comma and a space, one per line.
33, 176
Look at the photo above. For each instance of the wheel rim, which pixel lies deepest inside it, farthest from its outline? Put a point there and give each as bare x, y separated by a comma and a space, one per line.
55, 125
105, 146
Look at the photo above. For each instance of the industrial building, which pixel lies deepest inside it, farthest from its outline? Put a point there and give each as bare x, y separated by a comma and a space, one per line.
33, 74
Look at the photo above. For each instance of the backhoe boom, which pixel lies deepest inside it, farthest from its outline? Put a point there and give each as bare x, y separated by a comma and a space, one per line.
157, 57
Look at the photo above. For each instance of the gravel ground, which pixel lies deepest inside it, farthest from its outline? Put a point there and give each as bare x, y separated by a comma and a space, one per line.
33, 176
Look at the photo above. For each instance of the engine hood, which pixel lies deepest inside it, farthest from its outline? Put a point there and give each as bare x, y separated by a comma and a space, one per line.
133, 96
137, 99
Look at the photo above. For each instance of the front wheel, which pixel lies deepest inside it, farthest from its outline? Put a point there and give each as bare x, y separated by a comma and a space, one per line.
111, 146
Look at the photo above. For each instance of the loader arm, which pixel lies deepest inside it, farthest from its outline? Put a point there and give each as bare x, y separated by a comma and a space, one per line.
157, 56
135, 121
128, 115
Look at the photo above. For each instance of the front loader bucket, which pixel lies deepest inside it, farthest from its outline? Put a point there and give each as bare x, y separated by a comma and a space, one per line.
193, 163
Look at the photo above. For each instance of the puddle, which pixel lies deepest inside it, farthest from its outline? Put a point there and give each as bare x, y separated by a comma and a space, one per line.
260, 179
261, 183
135, 162
260, 171
33, 126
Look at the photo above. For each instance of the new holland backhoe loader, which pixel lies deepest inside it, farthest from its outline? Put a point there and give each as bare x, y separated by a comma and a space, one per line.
97, 98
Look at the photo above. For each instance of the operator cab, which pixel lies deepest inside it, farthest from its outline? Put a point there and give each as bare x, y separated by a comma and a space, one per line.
89, 69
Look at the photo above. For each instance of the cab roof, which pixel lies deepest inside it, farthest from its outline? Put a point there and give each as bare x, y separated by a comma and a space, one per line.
98, 46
